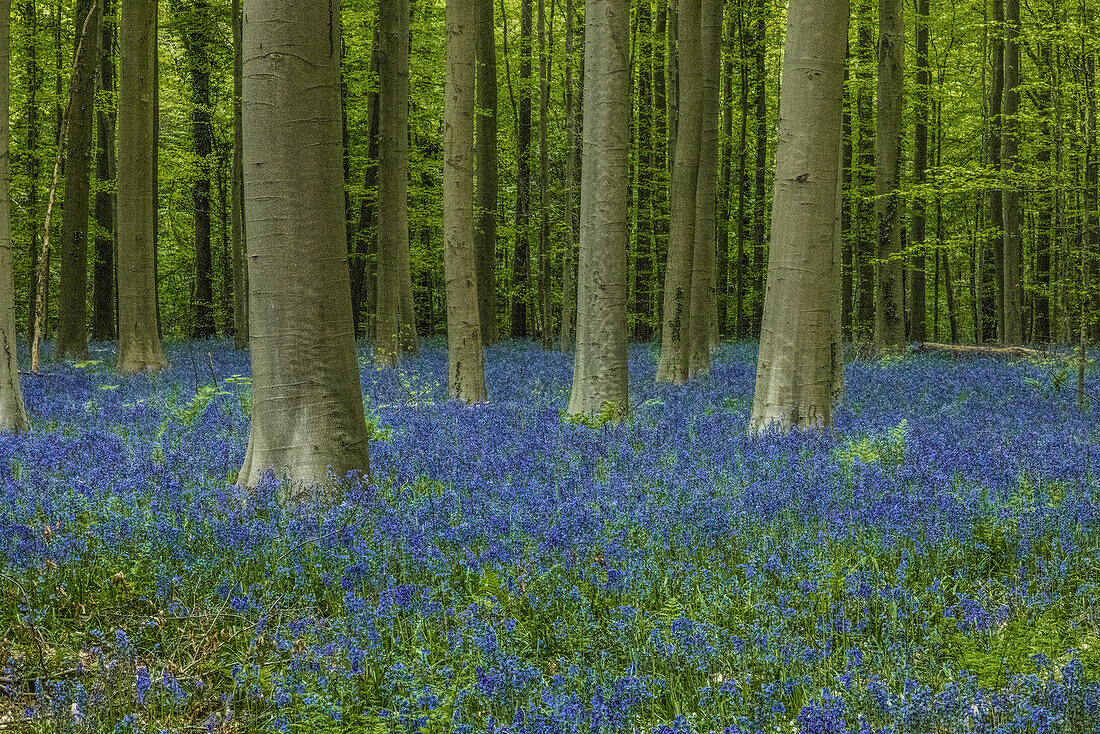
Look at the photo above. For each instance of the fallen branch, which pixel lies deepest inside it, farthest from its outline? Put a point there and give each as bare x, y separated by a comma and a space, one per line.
972, 350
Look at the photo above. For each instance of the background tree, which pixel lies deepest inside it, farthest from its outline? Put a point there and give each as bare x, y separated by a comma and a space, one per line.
889, 285
307, 414
466, 366
13, 415
600, 365
798, 374
72, 329
1013, 310
103, 271
485, 231
240, 268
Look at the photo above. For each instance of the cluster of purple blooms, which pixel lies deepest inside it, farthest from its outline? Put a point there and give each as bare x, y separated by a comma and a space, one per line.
930, 564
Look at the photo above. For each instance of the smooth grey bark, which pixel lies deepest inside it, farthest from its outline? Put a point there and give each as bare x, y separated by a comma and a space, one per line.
676, 325
889, 283
703, 310
307, 416
1013, 243
569, 268
466, 365
485, 232
13, 414
139, 345
240, 266
600, 364
799, 375
72, 328
103, 271
395, 321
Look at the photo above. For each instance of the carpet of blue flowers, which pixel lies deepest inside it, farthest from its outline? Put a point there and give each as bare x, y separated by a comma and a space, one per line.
930, 565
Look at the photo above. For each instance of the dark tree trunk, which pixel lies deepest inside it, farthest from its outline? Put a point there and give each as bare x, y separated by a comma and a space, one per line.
920, 168
643, 247
521, 265
865, 179
196, 46
759, 203
34, 82
485, 216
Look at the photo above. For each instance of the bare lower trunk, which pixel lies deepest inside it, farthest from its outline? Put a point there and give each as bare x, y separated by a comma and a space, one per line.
466, 365
307, 415
889, 286
676, 333
396, 323
139, 348
485, 232
798, 374
13, 416
240, 266
600, 365
72, 328
703, 303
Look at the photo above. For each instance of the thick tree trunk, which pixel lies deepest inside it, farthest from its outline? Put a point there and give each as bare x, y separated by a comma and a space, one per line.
13, 415
466, 365
196, 45
643, 263
103, 271
139, 348
702, 311
307, 415
889, 286
917, 317
676, 323
485, 231
600, 366
72, 327
865, 242
799, 372
759, 201
396, 323
521, 266
240, 265
30, 19
1013, 243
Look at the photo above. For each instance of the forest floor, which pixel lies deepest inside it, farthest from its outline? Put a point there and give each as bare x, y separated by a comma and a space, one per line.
931, 564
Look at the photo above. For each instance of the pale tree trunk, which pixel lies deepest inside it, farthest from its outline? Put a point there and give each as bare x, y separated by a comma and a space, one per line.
307, 415
920, 167
600, 364
799, 375
569, 268
139, 345
13, 416
466, 364
1013, 243
676, 326
889, 285
72, 328
103, 271
485, 232
396, 324
703, 311
240, 266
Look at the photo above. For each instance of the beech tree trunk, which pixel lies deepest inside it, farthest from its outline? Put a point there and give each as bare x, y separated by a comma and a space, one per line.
600, 365
889, 285
1013, 243
485, 231
917, 317
196, 47
72, 327
103, 271
703, 310
396, 322
307, 416
521, 265
676, 324
13, 415
799, 372
139, 347
466, 366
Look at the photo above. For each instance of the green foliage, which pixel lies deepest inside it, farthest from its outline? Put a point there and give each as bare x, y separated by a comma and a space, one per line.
609, 413
887, 450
